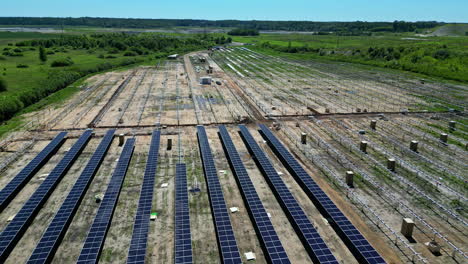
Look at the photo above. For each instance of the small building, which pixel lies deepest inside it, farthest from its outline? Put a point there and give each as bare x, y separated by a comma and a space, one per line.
205, 80
173, 56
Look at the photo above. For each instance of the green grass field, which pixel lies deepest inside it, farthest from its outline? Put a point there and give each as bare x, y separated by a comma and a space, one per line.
11, 37
25, 78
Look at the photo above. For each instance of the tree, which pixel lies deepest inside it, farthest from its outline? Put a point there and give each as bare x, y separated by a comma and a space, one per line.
3, 85
42, 54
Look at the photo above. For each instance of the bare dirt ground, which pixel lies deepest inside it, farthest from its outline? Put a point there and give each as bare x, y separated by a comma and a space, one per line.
252, 88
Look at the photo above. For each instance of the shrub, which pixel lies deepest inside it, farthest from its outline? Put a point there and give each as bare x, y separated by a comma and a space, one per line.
50, 52
3, 85
441, 54
2, 58
139, 51
13, 54
6, 48
101, 56
111, 57
22, 66
130, 54
18, 50
62, 63
113, 51
42, 54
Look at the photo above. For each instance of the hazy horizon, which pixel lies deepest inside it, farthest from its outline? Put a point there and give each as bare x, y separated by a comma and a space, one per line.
450, 11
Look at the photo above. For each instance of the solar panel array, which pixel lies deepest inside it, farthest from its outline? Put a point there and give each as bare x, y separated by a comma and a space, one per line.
314, 244
16, 228
14, 186
358, 245
45, 250
137, 251
275, 252
225, 234
97, 234
183, 237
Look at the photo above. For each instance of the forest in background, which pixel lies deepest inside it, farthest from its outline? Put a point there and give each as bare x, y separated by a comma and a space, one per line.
350, 27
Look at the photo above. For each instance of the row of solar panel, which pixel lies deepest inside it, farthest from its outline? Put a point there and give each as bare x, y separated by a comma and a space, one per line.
15, 185
95, 239
224, 232
45, 250
229, 250
137, 251
271, 243
314, 244
183, 237
16, 228
358, 245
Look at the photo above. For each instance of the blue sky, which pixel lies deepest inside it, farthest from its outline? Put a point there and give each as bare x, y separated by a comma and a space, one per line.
313, 10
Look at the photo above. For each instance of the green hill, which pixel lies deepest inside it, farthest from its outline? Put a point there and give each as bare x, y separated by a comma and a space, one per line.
451, 30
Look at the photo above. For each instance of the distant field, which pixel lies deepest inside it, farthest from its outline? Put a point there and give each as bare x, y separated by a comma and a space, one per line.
87, 29
445, 57
451, 30
10, 37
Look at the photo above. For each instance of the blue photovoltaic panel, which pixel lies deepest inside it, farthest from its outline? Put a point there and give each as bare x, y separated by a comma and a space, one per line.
137, 251
52, 237
275, 252
226, 240
183, 237
97, 234
358, 245
16, 228
14, 186
314, 244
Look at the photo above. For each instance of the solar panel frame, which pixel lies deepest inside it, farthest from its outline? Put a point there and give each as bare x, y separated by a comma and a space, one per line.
224, 232
310, 238
19, 181
16, 228
50, 241
138, 244
271, 244
355, 241
97, 233
182, 238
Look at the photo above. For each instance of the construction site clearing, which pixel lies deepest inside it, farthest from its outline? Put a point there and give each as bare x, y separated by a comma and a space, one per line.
239, 157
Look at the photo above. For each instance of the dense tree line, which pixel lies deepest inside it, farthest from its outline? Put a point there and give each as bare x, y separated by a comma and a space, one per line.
139, 43
357, 26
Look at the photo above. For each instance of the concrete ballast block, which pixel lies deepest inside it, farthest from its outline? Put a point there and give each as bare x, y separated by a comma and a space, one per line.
169, 143
414, 145
350, 178
304, 138
407, 227
121, 139
391, 164
443, 137
373, 124
363, 146
452, 125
